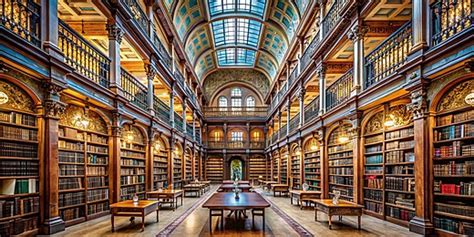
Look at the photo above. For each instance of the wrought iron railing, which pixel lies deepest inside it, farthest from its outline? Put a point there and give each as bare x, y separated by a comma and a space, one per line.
333, 16
309, 51
389, 55
275, 137
178, 122
294, 122
283, 131
189, 130
162, 110
449, 18
164, 55
138, 14
83, 56
311, 110
179, 78
339, 91
133, 90
216, 144
235, 112
198, 135
23, 18
257, 144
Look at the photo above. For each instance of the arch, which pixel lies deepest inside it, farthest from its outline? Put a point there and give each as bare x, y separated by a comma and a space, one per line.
178, 149
232, 84
334, 126
260, 133
218, 131
452, 86
73, 117
223, 102
138, 130
294, 146
101, 113
186, 11
308, 143
34, 96
250, 101
263, 71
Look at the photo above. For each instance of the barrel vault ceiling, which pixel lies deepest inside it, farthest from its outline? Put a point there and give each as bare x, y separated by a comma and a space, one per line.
236, 33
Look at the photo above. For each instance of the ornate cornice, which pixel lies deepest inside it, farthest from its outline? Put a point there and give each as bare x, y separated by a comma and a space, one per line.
419, 104
54, 109
115, 32
357, 32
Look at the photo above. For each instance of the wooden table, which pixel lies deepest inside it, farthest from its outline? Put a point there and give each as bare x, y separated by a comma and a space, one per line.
168, 196
343, 208
280, 188
196, 189
219, 202
232, 182
230, 187
268, 184
132, 210
207, 185
303, 196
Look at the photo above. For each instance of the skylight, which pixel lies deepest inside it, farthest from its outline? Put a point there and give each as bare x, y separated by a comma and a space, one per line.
254, 7
236, 31
236, 57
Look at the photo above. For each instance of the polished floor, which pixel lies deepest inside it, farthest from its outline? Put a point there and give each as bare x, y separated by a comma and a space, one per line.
282, 219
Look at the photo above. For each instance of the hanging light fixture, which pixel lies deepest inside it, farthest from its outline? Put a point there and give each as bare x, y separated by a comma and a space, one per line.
298, 151
314, 145
157, 146
470, 98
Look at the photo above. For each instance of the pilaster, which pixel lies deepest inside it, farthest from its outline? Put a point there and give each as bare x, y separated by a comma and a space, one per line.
321, 73
357, 34
115, 34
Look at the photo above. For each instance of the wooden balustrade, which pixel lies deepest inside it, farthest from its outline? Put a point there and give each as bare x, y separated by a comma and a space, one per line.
133, 90
311, 110
339, 91
236, 145
162, 110
138, 14
23, 18
294, 122
389, 55
229, 112
450, 17
216, 144
83, 56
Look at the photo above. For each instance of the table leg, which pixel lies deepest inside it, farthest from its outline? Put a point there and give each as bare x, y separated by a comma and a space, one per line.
210, 220
143, 220
340, 218
330, 221
315, 214
222, 219
158, 214
358, 222
112, 220
263, 219
291, 199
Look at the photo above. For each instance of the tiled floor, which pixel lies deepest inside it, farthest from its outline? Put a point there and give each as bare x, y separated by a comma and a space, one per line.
197, 224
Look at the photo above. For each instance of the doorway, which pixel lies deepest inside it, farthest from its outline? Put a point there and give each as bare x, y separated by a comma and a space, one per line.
236, 169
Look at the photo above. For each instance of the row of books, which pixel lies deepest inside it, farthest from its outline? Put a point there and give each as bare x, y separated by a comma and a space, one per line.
460, 189
454, 226
345, 191
95, 170
374, 206
18, 226
71, 170
130, 190
132, 171
69, 199
399, 213
19, 206
19, 168
341, 171
373, 159
96, 138
312, 177
457, 208
71, 157
376, 195
340, 155
373, 139
370, 149
347, 146
71, 133
401, 199
15, 149
399, 156
456, 149
455, 118
132, 146
341, 180
400, 169
453, 168
125, 180
70, 183
97, 182
18, 186
71, 213
399, 145
312, 160
160, 159
341, 162
401, 184
97, 160
132, 154
97, 194
97, 207
18, 118
407, 132
373, 182
76, 146
373, 170
455, 131
125, 161
18, 133
99, 149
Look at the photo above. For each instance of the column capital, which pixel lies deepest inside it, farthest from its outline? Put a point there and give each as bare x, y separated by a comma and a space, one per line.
54, 109
321, 71
357, 32
151, 71
301, 93
115, 32
419, 103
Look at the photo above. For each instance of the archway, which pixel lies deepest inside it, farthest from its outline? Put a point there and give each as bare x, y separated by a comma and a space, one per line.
236, 168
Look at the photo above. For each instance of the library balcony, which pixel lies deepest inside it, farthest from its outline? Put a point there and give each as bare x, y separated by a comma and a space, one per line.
236, 113
235, 145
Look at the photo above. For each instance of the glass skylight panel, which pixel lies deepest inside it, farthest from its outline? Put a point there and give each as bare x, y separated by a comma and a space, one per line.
226, 57
255, 7
224, 32
236, 57
236, 31
245, 57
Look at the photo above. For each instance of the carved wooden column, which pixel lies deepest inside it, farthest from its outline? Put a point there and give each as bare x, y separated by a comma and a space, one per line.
357, 158
172, 95
49, 27
194, 125
51, 222
114, 167
421, 24
248, 145
115, 34
321, 72
171, 154
185, 104
356, 34
324, 171
301, 96
422, 122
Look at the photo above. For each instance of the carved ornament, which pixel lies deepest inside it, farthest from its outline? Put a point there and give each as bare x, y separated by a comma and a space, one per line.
54, 109
456, 97
400, 115
375, 124
74, 115
418, 105
115, 32
15, 98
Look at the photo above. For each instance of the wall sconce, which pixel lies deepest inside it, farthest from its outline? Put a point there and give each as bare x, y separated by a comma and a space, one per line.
298, 151
157, 146
343, 138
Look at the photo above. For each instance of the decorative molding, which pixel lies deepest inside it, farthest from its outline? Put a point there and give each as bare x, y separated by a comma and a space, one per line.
338, 68
115, 32
357, 32
15, 98
54, 109
455, 98
419, 104
73, 116
375, 124
401, 116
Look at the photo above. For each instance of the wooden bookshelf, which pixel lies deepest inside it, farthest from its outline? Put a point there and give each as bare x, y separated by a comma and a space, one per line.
388, 156
275, 165
257, 167
215, 169
83, 166
188, 165
19, 171
340, 163
312, 165
284, 165
177, 167
453, 164
160, 165
295, 170
197, 165
132, 164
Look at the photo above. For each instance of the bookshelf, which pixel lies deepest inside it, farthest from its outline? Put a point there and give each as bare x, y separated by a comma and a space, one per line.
160, 165
197, 164
177, 167
188, 165
453, 163
340, 162
83, 165
284, 165
19, 169
295, 170
388, 156
132, 163
257, 167
215, 169
312, 165
275, 163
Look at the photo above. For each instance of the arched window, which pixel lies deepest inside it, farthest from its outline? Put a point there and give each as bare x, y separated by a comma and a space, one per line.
236, 92
250, 103
236, 99
222, 103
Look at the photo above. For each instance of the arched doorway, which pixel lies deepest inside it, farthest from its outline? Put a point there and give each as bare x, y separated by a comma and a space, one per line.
236, 168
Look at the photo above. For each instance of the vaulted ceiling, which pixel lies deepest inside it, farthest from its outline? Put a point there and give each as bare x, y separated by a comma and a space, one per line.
236, 33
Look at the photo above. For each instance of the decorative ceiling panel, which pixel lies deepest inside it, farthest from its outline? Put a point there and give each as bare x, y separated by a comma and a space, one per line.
275, 43
265, 62
188, 14
205, 64
220, 7
287, 16
197, 43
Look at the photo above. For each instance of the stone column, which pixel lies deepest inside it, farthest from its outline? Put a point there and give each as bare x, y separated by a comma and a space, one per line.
171, 155
321, 72
51, 222
115, 34
172, 95
421, 223
421, 24
151, 72
301, 95
185, 104
288, 72
173, 61
288, 115
249, 142
356, 34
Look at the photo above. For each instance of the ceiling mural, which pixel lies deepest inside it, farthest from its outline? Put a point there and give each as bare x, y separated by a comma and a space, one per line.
236, 33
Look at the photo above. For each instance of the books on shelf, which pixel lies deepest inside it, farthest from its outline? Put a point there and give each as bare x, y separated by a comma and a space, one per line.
461, 188
18, 118
16, 168
72, 198
400, 184
454, 168
19, 206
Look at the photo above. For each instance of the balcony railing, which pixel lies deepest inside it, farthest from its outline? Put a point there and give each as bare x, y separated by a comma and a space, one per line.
165, 56
283, 131
311, 111
133, 90
22, 17
236, 145
389, 55
82, 56
333, 16
294, 122
309, 51
257, 144
450, 17
138, 14
235, 112
179, 78
198, 135
162, 110
275, 137
339, 91
178, 122
216, 145
189, 130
